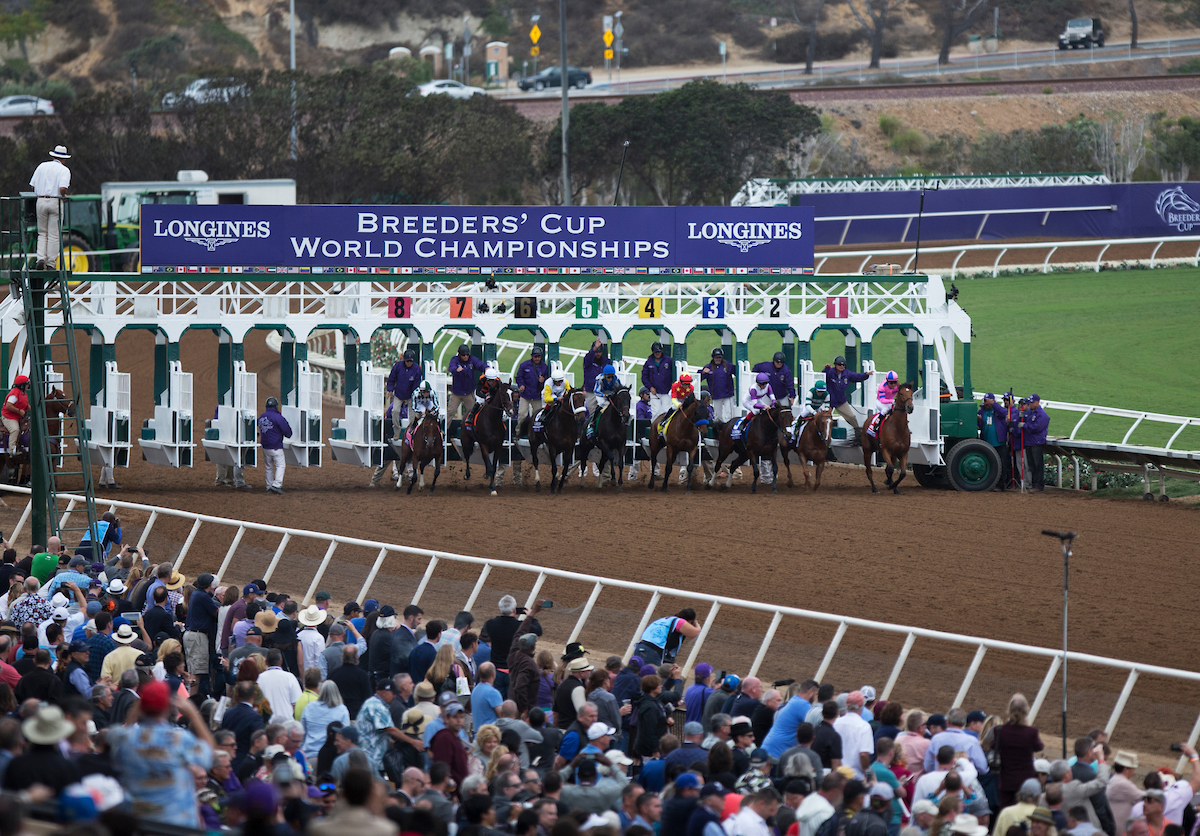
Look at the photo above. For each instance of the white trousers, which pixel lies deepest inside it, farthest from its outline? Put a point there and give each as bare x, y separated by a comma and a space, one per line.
724, 409
659, 404
48, 243
273, 468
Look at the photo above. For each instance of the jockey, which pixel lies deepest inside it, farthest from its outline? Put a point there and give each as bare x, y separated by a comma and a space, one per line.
643, 414
680, 389
886, 394
552, 395
606, 385
424, 401
489, 382
760, 400
16, 407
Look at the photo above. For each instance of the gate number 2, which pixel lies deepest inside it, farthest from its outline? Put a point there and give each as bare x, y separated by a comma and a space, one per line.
773, 309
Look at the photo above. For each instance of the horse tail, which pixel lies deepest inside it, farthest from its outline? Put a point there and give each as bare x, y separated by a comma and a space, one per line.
525, 425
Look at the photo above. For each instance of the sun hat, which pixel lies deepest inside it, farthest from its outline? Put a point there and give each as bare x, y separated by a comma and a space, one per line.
846, 772
1126, 759
312, 615
116, 586
965, 823
1041, 814
124, 634
175, 581
413, 722
48, 726
425, 690
578, 665
60, 153
266, 621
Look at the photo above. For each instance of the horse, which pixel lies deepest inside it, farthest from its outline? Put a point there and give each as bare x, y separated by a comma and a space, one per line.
784, 422
485, 426
812, 445
427, 446
682, 436
611, 430
57, 406
559, 437
760, 440
893, 440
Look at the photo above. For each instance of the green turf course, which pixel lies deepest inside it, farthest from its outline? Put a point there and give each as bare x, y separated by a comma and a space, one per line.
1127, 339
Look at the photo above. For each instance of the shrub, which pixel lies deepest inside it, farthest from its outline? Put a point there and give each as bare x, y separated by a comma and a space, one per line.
908, 141
1047, 90
747, 33
890, 125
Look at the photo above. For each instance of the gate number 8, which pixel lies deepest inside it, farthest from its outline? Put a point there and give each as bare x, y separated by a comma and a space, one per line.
399, 307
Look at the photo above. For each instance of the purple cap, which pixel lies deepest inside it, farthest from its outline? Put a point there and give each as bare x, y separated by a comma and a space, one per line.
97, 568
703, 670
1035, 398
636, 662
989, 397
648, 670
258, 799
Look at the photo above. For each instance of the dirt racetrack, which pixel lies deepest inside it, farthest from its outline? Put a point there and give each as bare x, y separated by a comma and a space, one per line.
960, 563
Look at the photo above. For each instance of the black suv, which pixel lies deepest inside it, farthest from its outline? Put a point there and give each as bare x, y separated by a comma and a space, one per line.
552, 77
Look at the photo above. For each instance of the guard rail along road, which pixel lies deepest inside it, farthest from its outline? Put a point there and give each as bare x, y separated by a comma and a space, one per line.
1055, 657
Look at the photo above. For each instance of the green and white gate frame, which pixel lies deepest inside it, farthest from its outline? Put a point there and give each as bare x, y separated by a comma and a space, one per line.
797, 307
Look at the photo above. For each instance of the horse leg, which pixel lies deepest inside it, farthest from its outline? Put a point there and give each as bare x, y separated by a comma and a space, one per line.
494, 463
468, 447
902, 467
666, 472
405, 455
537, 477
653, 463
420, 472
437, 471
820, 468
804, 470
788, 465
774, 464
691, 465
866, 450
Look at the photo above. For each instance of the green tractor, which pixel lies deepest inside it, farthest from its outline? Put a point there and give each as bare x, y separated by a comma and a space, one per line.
89, 226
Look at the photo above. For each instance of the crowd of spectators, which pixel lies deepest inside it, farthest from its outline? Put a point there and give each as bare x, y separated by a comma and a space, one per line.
131, 698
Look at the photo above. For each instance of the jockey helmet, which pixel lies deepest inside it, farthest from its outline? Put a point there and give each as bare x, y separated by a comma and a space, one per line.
778, 358
820, 386
892, 377
20, 380
559, 375
839, 360
685, 378
491, 374
410, 355
645, 390
656, 347
718, 352
464, 350
609, 370
537, 351
705, 395
272, 403
762, 377
426, 386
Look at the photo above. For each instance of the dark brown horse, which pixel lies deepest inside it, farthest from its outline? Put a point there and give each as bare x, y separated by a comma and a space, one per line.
427, 446
682, 436
611, 430
485, 427
58, 406
784, 422
558, 434
813, 445
893, 440
759, 441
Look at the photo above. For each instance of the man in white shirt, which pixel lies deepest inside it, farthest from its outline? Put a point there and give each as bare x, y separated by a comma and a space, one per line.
279, 687
312, 643
751, 820
858, 743
817, 807
50, 182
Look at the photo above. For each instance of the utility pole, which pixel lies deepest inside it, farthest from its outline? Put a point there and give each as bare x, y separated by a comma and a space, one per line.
292, 38
564, 83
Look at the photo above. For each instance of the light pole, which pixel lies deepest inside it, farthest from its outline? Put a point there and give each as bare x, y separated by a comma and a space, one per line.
1065, 538
292, 38
619, 33
564, 81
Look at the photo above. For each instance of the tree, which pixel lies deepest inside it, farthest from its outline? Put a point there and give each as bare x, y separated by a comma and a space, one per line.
19, 27
878, 11
1120, 147
1133, 25
953, 18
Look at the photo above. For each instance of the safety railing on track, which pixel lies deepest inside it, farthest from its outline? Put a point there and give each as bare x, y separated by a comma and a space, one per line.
716, 602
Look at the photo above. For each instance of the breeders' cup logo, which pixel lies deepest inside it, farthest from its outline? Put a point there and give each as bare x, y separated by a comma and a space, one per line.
1178, 210
743, 236
211, 234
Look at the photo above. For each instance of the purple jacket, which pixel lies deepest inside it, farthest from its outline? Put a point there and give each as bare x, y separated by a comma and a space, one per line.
403, 382
835, 384
464, 375
658, 374
643, 412
999, 419
782, 385
272, 430
721, 380
591, 370
1037, 422
533, 378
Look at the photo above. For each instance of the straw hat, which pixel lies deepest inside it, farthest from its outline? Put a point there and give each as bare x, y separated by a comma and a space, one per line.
312, 616
60, 153
48, 726
175, 581
266, 621
124, 635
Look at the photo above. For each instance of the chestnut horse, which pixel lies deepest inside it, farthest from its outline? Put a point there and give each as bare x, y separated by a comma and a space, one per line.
813, 445
893, 440
427, 446
682, 436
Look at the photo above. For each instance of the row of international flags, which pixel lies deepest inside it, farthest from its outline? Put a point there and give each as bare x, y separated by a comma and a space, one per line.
497, 271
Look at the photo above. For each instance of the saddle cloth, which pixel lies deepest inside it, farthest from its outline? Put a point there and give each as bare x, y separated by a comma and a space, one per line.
874, 424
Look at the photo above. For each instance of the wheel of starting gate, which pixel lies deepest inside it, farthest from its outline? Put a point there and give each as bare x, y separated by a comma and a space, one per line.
973, 465
931, 476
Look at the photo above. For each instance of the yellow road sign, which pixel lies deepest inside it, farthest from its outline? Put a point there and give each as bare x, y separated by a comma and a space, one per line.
535, 33
608, 37
608, 54
534, 51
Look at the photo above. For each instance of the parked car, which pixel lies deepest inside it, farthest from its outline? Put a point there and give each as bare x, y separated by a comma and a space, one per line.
1082, 32
206, 90
25, 106
448, 87
552, 77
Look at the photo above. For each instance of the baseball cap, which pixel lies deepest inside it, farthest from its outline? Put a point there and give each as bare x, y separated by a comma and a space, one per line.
867, 692
1035, 398
254, 631
599, 730
989, 397
77, 560
248, 588
693, 728
323, 595
924, 805
453, 708
350, 733
1042, 765
936, 720
732, 682
636, 662
384, 684
703, 669
370, 605
203, 581
881, 790
60, 614
96, 568
93, 608
758, 757
976, 716
715, 788
351, 607
156, 696
78, 646
687, 780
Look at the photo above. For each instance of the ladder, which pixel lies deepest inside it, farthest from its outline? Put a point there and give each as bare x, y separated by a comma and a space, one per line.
50, 344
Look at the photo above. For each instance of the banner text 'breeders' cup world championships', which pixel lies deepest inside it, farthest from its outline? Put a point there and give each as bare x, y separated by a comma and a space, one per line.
477, 236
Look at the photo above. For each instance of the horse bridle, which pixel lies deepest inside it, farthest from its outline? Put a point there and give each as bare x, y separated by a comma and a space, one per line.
570, 396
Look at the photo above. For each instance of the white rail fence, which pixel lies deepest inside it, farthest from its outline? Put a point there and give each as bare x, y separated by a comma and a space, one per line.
539, 574
1179, 422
